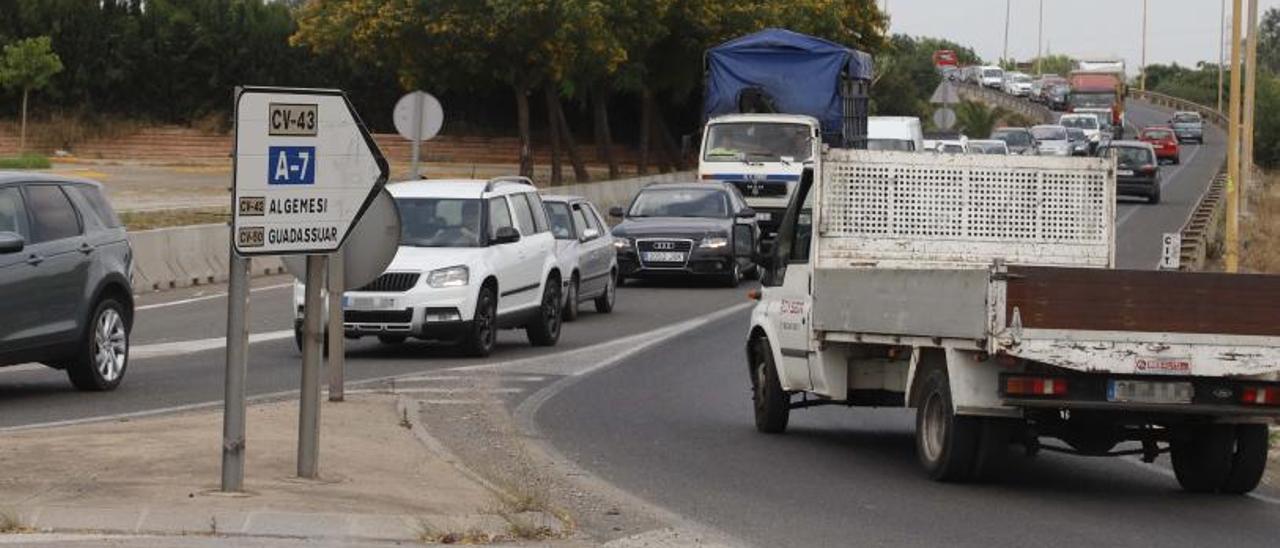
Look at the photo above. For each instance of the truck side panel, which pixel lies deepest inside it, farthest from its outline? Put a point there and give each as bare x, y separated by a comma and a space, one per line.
933, 303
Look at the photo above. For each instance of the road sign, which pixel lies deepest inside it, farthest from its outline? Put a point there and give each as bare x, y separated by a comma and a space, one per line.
1171, 251
944, 118
418, 117
306, 169
370, 246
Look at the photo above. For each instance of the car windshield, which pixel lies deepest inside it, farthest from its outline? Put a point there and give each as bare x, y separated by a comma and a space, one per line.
561, 220
992, 73
1017, 138
951, 148
1080, 122
899, 145
439, 222
1157, 134
681, 202
1049, 133
1021, 78
758, 142
987, 148
1092, 100
1186, 118
1130, 157
1075, 134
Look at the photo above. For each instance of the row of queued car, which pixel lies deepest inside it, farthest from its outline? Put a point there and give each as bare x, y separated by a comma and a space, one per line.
478, 256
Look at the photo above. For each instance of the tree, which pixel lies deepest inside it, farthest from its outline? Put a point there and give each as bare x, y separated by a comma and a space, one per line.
28, 65
977, 120
1054, 64
1269, 41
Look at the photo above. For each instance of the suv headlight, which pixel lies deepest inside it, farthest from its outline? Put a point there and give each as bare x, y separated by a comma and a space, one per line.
620, 242
714, 242
454, 276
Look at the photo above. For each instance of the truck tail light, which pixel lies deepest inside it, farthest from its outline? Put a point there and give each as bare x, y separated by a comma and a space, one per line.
707, 176
1260, 395
1035, 386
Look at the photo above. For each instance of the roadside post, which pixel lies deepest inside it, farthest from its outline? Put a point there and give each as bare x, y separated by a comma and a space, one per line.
233, 407
1171, 251
305, 171
417, 117
336, 341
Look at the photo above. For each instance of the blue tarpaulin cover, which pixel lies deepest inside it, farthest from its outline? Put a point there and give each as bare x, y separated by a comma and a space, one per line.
800, 73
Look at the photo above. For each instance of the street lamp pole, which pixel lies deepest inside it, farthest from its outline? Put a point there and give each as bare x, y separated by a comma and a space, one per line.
1233, 147
1005, 55
1040, 43
1222, 39
1250, 90
1142, 83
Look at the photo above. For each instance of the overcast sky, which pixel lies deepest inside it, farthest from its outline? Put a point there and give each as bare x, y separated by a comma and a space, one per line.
1185, 31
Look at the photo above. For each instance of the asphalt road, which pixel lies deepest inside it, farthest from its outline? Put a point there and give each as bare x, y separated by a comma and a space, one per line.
673, 425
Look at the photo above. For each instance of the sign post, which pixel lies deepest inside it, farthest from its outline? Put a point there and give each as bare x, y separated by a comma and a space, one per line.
337, 340
306, 170
418, 117
1171, 251
233, 408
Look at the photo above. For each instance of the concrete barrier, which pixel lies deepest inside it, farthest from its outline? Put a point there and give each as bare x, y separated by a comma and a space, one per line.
168, 258
1037, 113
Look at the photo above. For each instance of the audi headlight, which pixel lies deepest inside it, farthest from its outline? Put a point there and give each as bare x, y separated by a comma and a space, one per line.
454, 276
715, 242
621, 243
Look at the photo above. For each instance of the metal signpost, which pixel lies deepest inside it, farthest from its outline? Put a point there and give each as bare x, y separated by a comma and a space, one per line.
306, 170
418, 117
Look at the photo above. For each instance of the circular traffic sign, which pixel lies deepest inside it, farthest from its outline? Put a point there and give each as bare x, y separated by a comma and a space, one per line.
369, 248
418, 116
944, 118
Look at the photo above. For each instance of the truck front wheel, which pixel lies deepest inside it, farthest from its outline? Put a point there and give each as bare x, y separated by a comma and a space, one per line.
946, 443
772, 404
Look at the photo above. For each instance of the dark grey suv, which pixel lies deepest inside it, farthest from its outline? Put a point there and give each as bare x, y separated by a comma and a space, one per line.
65, 298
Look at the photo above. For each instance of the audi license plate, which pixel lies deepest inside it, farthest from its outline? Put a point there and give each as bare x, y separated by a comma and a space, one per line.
663, 257
1125, 172
1149, 392
368, 303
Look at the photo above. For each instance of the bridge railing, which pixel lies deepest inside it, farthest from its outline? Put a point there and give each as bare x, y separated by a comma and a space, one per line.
1038, 113
1211, 115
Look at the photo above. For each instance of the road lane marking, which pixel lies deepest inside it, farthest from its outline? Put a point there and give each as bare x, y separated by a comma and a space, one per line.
177, 348
207, 297
1164, 181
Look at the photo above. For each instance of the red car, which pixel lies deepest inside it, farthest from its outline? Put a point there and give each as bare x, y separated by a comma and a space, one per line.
1164, 140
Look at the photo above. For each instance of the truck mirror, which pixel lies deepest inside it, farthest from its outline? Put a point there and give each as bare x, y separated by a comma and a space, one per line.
746, 213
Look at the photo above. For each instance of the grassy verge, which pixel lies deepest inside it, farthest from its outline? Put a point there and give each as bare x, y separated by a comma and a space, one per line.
147, 220
25, 161
1262, 230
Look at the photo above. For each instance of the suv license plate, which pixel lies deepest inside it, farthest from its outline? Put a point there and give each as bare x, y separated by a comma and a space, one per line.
369, 303
1149, 392
663, 257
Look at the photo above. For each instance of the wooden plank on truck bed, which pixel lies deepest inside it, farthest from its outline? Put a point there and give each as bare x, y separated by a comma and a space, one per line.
924, 303
1144, 300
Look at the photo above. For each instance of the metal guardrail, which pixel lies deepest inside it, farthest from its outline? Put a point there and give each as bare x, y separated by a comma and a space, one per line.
1036, 112
1201, 227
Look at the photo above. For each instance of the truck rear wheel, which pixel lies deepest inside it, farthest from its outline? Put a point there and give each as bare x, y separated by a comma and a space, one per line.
772, 404
1249, 460
946, 443
1202, 457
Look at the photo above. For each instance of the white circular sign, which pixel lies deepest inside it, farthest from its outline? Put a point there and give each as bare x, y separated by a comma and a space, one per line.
370, 247
418, 116
944, 118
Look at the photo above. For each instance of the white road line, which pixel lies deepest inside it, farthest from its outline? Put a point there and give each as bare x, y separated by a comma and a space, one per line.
390, 391
208, 297
442, 378
177, 348
1164, 181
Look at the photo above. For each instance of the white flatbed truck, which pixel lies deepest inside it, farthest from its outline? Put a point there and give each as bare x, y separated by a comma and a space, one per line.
981, 291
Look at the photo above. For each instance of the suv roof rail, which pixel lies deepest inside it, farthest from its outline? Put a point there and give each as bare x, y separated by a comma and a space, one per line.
516, 179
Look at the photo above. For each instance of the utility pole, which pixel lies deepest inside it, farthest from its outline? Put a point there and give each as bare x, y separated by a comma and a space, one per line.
1005, 55
1250, 90
1040, 43
1222, 39
1142, 82
1233, 147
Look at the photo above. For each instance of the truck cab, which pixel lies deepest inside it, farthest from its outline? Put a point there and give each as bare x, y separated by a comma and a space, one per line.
762, 155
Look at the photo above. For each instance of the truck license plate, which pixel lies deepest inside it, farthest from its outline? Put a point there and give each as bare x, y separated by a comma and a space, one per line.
663, 257
1149, 392
1125, 172
764, 216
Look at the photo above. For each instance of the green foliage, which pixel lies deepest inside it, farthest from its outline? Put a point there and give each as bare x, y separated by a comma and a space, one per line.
905, 77
25, 161
1269, 41
976, 119
1266, 122
1198, 85
29, 64
1055, 64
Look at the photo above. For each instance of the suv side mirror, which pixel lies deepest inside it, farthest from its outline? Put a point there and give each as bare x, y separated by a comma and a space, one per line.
590, 234
616, 212
746, 213
11, 242
506, 235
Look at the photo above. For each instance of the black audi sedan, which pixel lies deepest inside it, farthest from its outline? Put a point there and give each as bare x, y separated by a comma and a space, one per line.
702, 229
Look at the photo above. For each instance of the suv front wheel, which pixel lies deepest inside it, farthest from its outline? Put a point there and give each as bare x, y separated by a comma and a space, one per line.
103, 355
484, 326
545, 328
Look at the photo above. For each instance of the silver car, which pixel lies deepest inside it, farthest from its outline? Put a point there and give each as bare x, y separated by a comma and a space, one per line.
64, 279
1188, 126
585, 249
1053, 140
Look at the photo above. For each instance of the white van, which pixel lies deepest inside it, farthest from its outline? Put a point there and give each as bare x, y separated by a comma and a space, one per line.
900, 133
991, 77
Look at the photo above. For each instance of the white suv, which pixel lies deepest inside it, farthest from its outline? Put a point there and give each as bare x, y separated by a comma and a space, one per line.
475, 256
